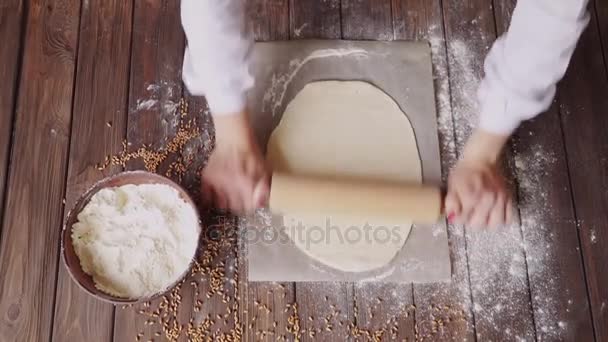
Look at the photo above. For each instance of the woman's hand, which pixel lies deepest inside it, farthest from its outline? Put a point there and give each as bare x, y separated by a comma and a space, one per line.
477, 194
236, 177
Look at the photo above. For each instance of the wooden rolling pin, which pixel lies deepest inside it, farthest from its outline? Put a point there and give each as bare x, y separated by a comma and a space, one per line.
386, 200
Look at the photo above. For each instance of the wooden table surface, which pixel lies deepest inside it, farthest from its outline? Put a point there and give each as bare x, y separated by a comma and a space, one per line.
79, 78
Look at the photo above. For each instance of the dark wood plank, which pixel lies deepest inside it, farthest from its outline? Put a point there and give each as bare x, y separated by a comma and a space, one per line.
268, 306
497, 266
583, 104
98, 129
423, 20
314, 19
379, 310
30, 240
555, 268
153, 116
269, 19
11, 24
213, 294
325, 309
384, 310
602, 20
267, 312
367, 19
156, 62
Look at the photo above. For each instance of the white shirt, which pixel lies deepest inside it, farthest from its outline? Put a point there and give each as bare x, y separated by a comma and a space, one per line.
521, 70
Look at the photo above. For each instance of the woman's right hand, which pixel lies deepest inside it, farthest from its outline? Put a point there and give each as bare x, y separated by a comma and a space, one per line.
477, 193
477, 196
236, 177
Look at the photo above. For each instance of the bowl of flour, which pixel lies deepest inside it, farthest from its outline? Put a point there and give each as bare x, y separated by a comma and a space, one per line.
131, 237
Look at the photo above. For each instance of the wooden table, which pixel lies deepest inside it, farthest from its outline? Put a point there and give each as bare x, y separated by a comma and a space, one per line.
79, 78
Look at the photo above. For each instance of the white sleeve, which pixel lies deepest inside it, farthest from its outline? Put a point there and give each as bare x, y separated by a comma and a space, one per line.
216, 62
525, 64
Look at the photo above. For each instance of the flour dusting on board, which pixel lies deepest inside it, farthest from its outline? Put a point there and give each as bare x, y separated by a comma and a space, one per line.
159, 101
526, 258
503, 260
503, 251
146, 104
158, 96
533, 165
464, 87
275, 94
298, 30
442, 89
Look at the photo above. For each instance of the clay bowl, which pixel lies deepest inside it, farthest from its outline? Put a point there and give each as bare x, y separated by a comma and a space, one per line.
68, 254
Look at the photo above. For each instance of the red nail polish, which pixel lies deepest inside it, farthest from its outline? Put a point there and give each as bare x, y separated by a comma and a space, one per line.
451, 217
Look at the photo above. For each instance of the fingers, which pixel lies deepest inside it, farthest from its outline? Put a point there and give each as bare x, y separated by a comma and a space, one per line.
261, 193
241, 192
469, 192
237, 204
497, 216
478, 199
452, 206
509, 212
220, 200
482, 210
491, 209
206, 194
235, 176
258, 189
214, 195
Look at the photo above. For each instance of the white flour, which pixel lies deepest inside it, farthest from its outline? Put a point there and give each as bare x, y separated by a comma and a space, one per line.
159, 96
276, 93
146, 104
298, 30
498, 297
136, 240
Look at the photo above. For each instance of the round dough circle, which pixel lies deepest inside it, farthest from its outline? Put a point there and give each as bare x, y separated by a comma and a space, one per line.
346, 129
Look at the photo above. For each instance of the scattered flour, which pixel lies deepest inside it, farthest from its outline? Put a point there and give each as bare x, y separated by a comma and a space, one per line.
501, 261
533, 165
136, 240
298, 30
170, 108
280, 83
444, 108
464, 84
159, 96
160, 101
146, 104
378, 277
458, 293
153, 87
498, 276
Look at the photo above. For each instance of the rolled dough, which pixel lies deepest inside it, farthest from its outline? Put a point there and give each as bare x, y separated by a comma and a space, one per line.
346, 129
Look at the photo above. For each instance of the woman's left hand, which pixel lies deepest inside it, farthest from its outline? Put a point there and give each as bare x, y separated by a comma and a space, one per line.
477, 194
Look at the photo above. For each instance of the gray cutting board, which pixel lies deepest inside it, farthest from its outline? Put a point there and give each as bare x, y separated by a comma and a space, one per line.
401, 69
